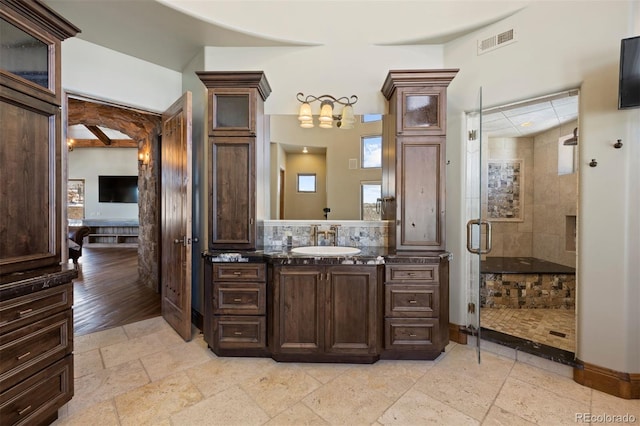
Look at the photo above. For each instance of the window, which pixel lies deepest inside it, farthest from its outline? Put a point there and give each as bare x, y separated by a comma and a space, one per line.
370, 192
306, 182
368, 118
371, 148
567, 158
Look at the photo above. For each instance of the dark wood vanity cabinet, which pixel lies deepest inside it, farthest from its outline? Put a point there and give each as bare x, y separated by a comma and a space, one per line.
237, 137
326, 313
235, 309
414, 139
416, 312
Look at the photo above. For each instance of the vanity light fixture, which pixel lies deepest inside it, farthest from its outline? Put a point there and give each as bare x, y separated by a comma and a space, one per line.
345, 120
70, 144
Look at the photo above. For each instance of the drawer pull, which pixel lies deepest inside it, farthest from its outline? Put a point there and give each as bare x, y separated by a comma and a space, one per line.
24, 410
411, 274
237, 273
238, 333
413, 301
412, 335
26, 311
24, 355
237, 299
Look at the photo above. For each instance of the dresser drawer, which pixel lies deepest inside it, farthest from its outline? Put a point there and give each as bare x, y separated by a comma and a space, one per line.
37, 398
409, 273
403, 333
16, 312
411, 300
234, 332
29, 349
239, 272
239, 298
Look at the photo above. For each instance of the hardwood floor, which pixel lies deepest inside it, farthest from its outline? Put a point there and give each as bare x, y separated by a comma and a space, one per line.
107, 292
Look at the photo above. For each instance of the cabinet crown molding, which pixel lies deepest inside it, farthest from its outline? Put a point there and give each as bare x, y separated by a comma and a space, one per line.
417, 78
241, 79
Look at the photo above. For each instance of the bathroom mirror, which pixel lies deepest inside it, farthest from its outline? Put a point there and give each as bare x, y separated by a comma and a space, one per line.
333, 160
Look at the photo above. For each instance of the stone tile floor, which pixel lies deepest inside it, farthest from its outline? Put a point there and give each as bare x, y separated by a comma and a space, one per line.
144, 374
534, 324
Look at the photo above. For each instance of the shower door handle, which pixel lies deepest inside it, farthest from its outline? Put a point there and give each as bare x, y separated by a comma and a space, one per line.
479, 223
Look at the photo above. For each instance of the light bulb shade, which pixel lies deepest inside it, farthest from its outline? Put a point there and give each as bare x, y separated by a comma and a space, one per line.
345, 125
326, 124
305, 112
347, 114
306, 124
326, 112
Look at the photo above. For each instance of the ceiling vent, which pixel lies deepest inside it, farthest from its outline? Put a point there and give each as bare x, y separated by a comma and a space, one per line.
498, 40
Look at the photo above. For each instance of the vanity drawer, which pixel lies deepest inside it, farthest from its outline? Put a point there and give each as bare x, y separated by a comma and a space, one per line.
34, 400
239, 332
404, 333
411, 300
239, 272
26, 350
239, 298
16, 312
409, 273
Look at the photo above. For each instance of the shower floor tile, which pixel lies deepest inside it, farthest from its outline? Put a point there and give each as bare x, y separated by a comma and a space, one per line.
552, 327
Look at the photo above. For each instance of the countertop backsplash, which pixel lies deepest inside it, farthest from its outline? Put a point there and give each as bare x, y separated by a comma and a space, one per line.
351, 233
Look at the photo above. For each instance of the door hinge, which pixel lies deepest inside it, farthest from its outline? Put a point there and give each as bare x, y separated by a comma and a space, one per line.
473, 135
471, 308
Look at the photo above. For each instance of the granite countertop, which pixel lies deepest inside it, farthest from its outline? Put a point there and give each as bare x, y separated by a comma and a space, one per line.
20, 283
522, 265
284, 256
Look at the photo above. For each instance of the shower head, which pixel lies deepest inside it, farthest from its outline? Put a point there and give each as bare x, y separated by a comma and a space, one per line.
572, 141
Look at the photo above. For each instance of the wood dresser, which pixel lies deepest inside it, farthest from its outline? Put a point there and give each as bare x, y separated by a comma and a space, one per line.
36, 344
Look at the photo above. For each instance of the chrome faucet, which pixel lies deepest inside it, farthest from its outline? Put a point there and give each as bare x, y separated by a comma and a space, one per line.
331, 232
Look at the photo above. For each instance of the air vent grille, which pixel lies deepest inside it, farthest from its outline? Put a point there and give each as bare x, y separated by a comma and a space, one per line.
498, 40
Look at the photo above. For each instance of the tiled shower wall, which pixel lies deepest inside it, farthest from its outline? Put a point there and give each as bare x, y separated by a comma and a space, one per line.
351, 233
542, 291
549, 199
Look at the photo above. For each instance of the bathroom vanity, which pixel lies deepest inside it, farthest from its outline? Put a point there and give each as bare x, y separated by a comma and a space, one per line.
379, 304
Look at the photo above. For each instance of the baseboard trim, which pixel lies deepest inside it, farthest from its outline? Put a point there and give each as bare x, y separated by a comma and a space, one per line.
456, 334
622, 385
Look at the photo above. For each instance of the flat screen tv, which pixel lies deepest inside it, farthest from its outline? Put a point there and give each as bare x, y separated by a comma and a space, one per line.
118, 189
629, 88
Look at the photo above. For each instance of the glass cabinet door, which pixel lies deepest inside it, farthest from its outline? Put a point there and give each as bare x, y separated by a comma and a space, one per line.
24, 55
232, 112
422, 111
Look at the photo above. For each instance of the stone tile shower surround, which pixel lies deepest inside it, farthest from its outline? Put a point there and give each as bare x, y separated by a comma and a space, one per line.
351, 233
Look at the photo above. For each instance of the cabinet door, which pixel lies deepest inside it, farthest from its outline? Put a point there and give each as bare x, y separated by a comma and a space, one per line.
422, 111
232, 111
232, 195
420, 209
299, 317
351, 307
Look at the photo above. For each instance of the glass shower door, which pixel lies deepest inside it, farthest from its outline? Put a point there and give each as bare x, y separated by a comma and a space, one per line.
478, 228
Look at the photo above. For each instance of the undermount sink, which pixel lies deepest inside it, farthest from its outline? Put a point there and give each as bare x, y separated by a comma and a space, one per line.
326, 250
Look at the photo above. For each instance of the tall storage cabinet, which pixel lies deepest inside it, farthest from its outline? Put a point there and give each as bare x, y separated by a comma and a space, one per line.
414, 135
36, 293
236, 135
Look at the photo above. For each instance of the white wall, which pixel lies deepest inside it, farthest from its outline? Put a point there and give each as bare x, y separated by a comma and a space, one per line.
565, 45
88, 164
334, 70
105, 74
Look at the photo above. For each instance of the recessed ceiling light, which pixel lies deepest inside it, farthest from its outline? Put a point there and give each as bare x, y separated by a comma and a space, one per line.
305, 150
526, 124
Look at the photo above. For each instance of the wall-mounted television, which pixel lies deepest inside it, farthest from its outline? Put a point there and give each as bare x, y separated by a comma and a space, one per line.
118, 189
629, 87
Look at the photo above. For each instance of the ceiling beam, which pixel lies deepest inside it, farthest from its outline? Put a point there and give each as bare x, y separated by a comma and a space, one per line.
94, 143
99, 134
